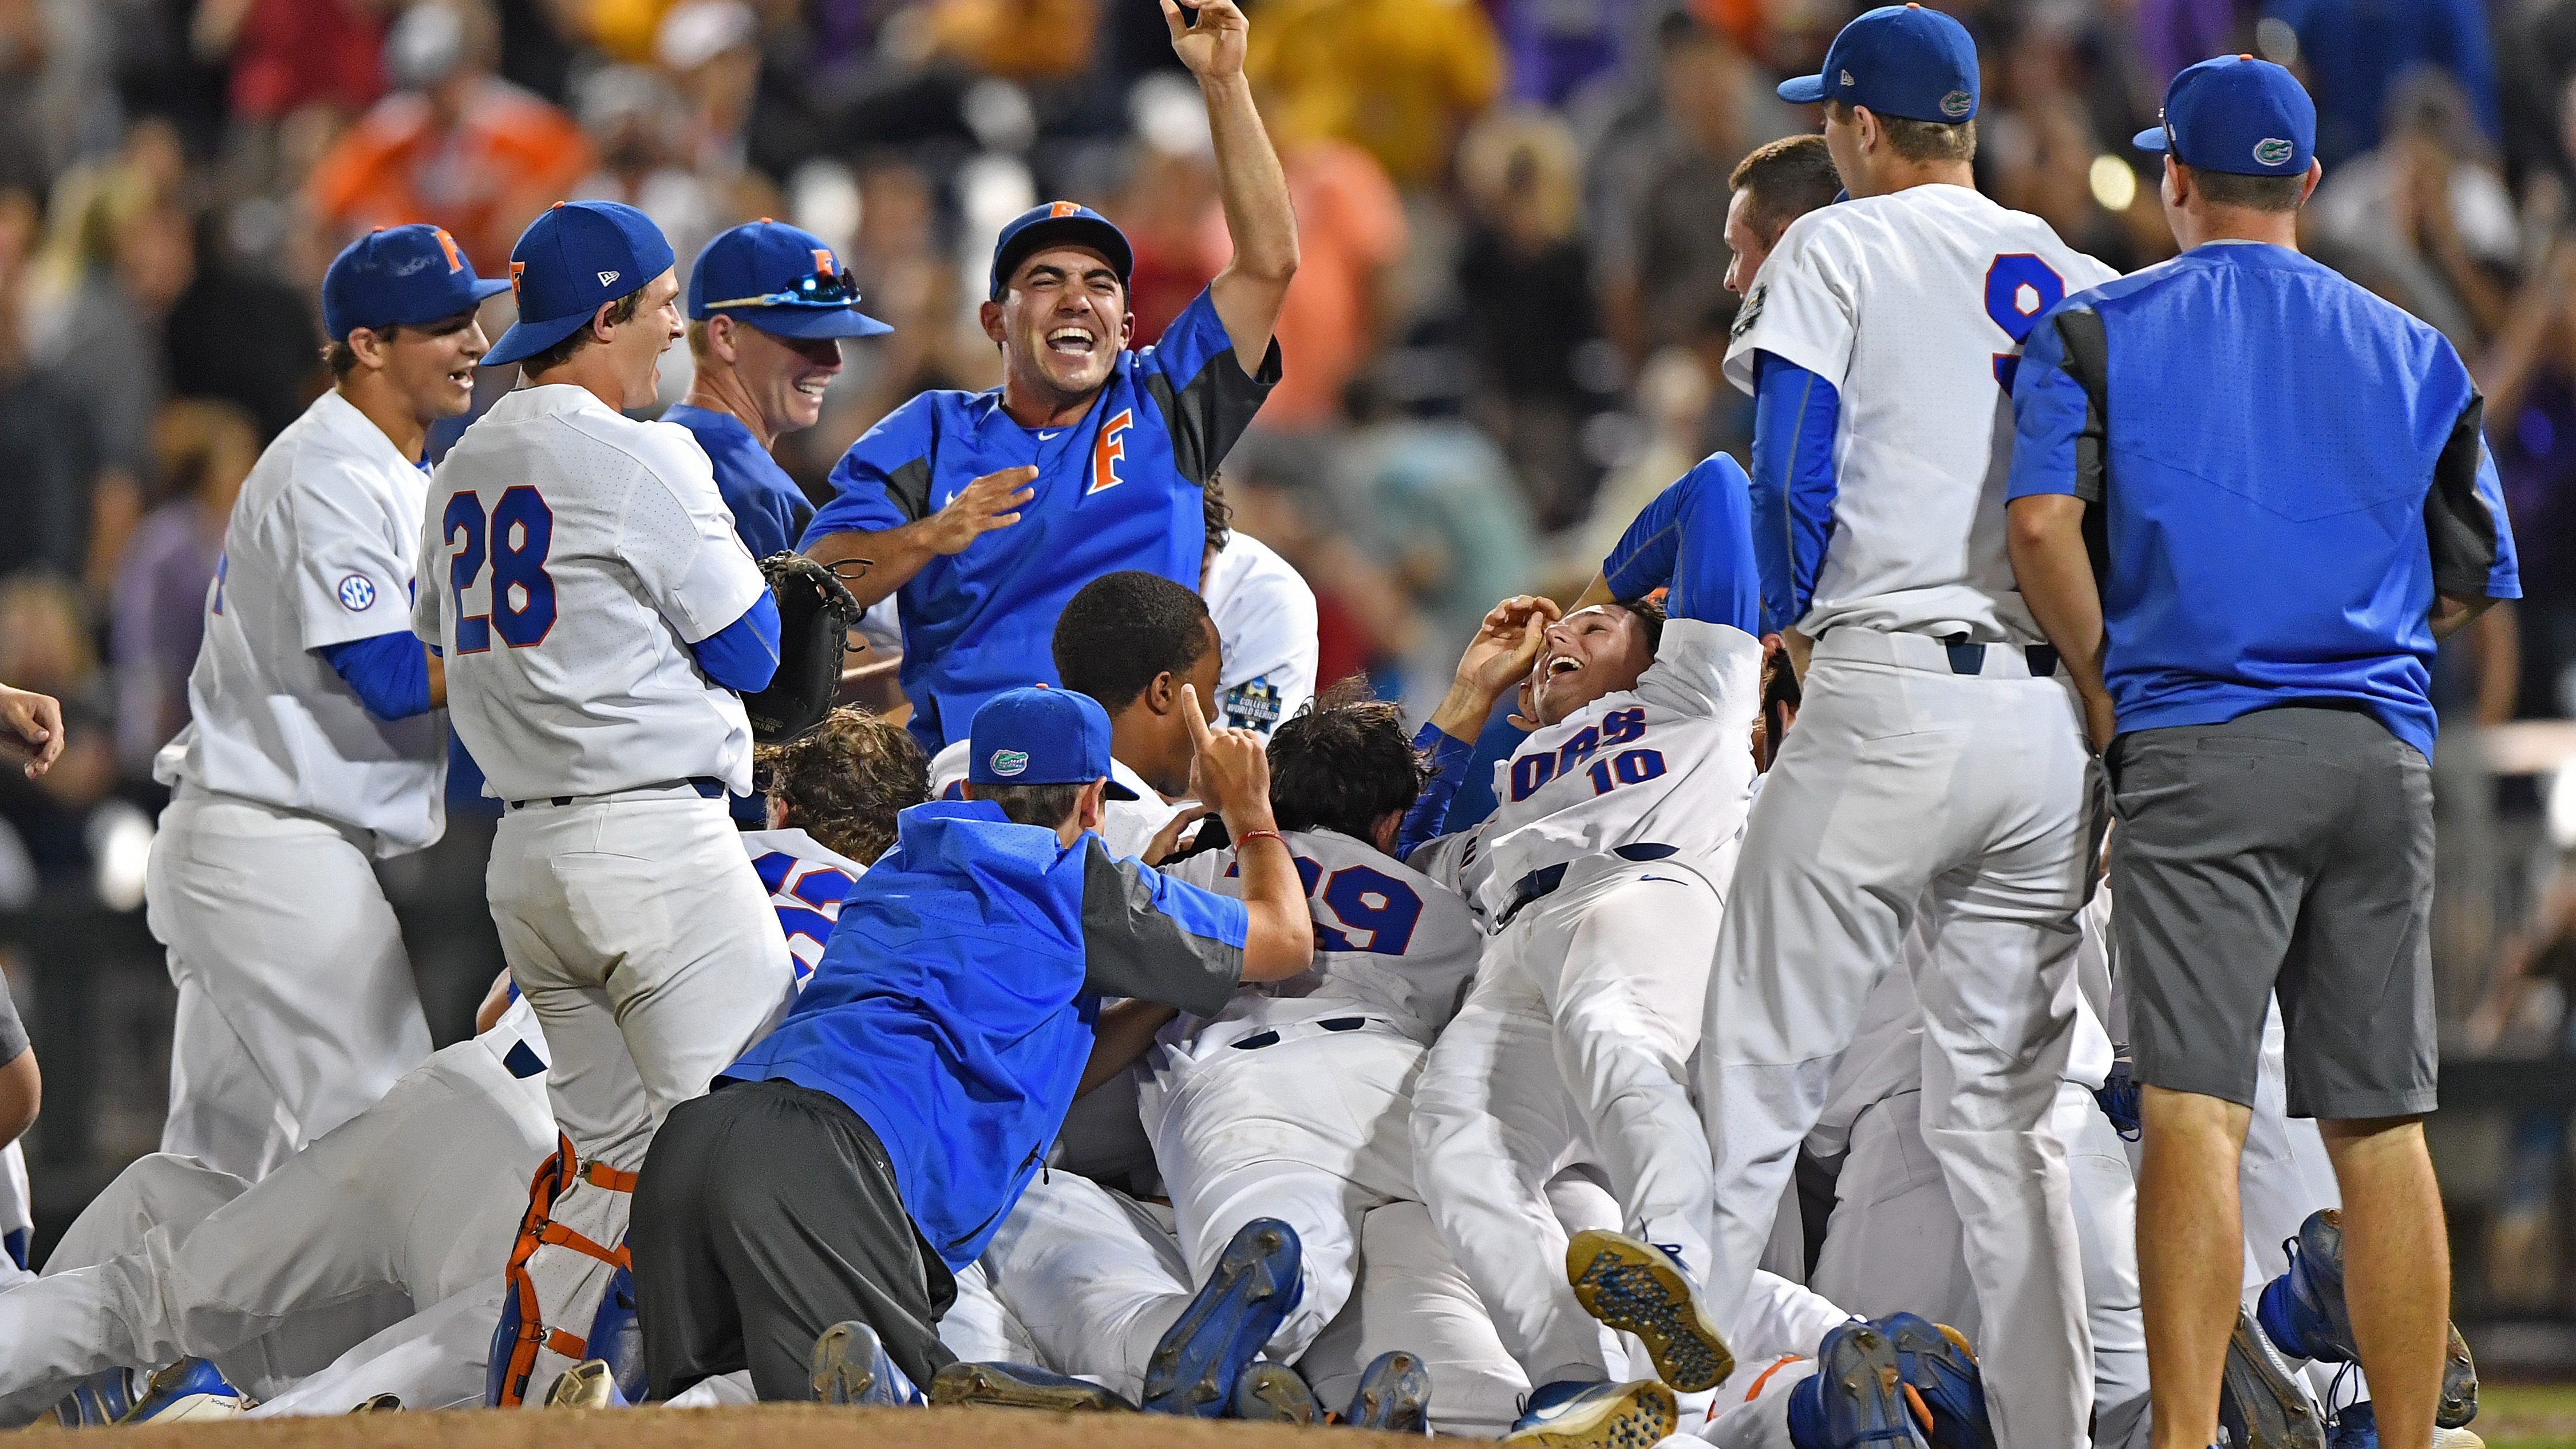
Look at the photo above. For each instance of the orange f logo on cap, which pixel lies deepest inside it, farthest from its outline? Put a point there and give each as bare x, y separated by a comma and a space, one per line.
517, 269
822, 262
447, 244
1063, 208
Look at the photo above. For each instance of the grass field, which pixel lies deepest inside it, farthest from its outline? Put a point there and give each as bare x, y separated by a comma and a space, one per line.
2527, 1416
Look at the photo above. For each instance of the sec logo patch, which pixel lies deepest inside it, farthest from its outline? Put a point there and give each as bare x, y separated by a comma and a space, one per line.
357, 593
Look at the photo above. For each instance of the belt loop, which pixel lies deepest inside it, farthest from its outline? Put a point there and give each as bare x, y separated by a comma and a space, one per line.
2042, 659
1966, 658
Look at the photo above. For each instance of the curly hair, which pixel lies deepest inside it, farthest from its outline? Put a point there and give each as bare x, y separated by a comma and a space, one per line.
1343, 763
844, 781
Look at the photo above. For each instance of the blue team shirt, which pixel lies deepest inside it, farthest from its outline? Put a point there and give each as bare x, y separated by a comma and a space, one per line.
2284, 470
954, 1004
1120, 489
769, 511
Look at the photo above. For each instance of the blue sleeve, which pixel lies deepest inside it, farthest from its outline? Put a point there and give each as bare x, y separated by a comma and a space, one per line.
1695, 539
1795, 416
2052, 412
743, 655
1206, 398
389, 673
883, 481
1430, 812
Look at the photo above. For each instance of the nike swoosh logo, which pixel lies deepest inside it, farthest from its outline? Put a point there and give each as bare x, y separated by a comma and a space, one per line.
1048, 437
1668, 880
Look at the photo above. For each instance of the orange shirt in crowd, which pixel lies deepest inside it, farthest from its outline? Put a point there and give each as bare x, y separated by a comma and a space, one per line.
1350, 229
1396, 76
510, 156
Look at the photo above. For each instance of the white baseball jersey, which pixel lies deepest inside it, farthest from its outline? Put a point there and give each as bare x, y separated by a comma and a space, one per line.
1390, 943
569, 558
319, 551
1126, 826
1265, 620
806, 881
1669, 762
1914, 306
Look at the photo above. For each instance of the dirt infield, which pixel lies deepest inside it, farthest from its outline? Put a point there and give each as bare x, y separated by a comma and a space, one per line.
769, 1426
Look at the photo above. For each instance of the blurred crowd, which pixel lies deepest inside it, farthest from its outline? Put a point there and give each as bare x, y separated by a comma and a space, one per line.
1503, 338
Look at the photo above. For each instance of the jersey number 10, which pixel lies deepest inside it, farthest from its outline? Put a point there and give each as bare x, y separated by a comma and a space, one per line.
516, 537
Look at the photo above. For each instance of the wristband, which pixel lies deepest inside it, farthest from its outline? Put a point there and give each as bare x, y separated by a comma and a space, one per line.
1249, 836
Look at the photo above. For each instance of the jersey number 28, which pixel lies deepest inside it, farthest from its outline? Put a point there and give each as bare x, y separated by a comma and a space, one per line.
516, 538
2019, 287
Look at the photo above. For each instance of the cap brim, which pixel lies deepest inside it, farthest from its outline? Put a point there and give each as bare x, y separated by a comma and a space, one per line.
2150, 139
810, 321
1116, 791
1803, 90
527, 339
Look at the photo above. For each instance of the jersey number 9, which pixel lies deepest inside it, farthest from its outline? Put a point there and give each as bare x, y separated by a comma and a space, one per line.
516, 537
2019, 287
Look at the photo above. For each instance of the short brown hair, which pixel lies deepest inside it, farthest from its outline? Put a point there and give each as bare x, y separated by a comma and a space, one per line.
2252, 193
1923, 140
342, 359
621, 310
1788, 178
844, 781
1047, 806
1648, 610
1343, 762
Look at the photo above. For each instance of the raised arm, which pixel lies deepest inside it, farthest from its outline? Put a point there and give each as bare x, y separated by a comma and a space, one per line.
1232, 773
1252, 288
1695, 540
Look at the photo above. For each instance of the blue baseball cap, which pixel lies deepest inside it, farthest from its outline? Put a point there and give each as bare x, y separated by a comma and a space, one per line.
1041, 736
400, 276
2237, 114
780, 279
576, 256
1898, 60
1059, 223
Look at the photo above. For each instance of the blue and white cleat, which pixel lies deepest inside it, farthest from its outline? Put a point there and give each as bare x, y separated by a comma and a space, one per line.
1274, 1393
850, 1367
1022, 1386
1857, 1395
189, 1391
1641, 1288
1568, 1415
589, 1384
1935, 1361
2303, 1313
105, 1397
1256, 1285
2261, 1403
1394, 1395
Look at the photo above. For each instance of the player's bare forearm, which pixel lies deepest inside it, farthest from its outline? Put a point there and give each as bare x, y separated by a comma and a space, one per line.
1124, 1033
894, 555
2451, 615
1252, 288
437, 677
2046, 538
1596, 592
1507, 643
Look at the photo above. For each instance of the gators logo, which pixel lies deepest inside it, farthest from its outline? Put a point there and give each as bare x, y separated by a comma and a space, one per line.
2273, 151
1957, 104
1010, 762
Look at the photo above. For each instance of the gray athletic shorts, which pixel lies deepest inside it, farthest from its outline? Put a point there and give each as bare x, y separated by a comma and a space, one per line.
2287, 851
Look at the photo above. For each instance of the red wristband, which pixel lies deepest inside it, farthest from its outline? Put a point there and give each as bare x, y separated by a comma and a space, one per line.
1251, 835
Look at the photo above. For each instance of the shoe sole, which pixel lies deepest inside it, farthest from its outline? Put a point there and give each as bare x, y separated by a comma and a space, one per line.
2459, 1385
1192, 1370
1394, 1396
839, 1376
1271, 1393
1864, 1394
1635, 1289
2276, 1413
1638, 1419
585, 1385
380, 1404
1928, 1341
990, 1387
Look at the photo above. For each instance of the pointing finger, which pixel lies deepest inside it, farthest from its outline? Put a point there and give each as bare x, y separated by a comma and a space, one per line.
1200, 735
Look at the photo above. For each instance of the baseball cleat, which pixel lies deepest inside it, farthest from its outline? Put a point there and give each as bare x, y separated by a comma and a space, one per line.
2459, 1402
1857, 1395
105, 1397
2358, 1428
850, 1367
1597, 1416
2303, 1312
1640, 1288
1935, 1361
380, 1404
1394, 1395
1273, 1393
2261, 1404
1255, 1286
589, 1384
1021, 1386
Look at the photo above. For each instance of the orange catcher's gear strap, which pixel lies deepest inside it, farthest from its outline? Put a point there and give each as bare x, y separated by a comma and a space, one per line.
554, 1177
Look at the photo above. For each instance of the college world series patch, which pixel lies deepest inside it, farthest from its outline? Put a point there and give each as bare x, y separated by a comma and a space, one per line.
357, 593
1750, 312
1253, 705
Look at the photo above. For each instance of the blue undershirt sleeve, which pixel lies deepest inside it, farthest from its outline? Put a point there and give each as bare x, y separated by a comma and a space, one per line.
388, 672
743, 655
1695, 540
1795, 416
1430, 813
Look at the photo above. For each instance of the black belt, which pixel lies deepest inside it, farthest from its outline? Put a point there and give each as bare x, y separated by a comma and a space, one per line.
1966, 658
707, 786
1542, 882
1260, 1039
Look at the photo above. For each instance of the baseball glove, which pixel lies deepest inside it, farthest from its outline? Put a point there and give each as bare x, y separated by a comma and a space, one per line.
815, 617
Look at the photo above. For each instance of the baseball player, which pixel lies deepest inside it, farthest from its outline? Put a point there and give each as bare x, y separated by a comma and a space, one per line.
1265, 616
1937, 766
1238, 1131
312, 748
988, 510
1605, 868
598, 616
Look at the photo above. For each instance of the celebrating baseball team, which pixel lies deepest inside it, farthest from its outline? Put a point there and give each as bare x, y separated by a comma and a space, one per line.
1945, 961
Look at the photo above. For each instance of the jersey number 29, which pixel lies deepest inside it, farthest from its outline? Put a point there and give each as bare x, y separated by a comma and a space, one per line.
2019, 287
516, 538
